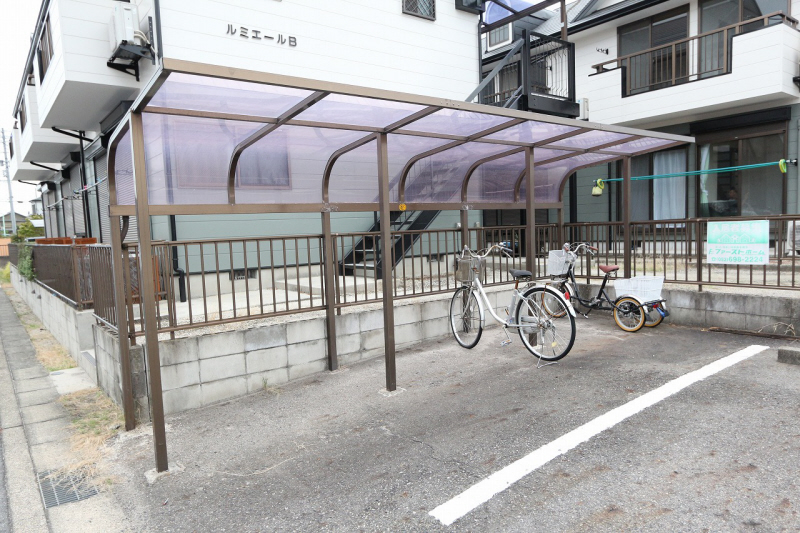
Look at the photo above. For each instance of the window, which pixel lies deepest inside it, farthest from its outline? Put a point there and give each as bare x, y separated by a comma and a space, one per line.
716, 14
653, 69
23, 115
45, 49
753, 192
500, 36
420, 8
659, 199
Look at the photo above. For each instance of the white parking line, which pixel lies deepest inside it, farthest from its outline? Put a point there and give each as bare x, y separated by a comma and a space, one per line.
480, 493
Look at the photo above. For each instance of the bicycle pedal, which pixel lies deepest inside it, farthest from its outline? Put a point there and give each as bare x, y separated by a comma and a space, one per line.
505, 343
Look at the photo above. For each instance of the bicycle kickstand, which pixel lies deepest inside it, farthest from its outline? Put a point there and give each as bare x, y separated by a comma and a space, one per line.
508, 338
540, 365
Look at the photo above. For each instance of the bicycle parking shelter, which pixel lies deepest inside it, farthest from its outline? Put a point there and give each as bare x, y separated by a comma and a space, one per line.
479, 157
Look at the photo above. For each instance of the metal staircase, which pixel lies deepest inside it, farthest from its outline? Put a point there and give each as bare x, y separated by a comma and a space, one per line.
365, 256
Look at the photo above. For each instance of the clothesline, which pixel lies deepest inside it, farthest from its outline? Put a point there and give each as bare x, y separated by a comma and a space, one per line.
781, 164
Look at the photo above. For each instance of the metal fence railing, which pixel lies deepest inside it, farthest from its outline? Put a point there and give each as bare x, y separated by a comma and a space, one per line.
200, 283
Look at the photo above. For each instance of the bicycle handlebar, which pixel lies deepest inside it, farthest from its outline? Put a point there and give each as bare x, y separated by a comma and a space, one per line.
506, 251
578, 246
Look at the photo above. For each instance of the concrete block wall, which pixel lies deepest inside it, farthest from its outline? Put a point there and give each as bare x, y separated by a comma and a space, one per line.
109, 371
71, 328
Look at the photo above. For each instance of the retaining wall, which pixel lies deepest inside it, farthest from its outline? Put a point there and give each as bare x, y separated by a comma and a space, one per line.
71, 328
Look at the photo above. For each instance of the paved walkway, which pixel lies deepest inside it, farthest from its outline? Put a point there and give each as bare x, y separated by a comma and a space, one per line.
35, 439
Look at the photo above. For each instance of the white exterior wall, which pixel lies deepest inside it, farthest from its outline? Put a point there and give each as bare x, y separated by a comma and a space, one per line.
79, 89
37, 143
360, 42
764, 62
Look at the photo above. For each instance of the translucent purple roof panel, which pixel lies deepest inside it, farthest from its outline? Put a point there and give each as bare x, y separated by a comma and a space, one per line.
495, 181
354, 178
402, 148
639, 145
200, 93
456, 122
439, 178
590, 139
531, 132
494, 12
187, 157
548, 177
123, 171
357, 111
287, 166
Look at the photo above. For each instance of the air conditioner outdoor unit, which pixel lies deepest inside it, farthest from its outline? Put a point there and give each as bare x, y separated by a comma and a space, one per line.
584, 108
124, 24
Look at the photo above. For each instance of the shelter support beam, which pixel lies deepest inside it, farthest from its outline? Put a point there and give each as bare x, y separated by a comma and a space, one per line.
330, 290
147, 293
530, 211
464, 227
119, 261
386, 262
626, 215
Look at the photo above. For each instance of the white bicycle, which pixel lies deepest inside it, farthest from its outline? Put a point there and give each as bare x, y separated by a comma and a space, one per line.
530, 310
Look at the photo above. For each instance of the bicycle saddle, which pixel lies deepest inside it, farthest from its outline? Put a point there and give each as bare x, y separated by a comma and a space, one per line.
608, 268
519, 273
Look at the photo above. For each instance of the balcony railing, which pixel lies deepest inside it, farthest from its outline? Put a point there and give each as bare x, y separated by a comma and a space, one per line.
696, 58
548, 64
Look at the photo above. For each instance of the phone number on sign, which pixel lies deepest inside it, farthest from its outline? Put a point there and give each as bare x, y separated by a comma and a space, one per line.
752, 260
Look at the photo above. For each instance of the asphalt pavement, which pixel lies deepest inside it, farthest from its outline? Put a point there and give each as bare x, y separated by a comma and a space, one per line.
333, 453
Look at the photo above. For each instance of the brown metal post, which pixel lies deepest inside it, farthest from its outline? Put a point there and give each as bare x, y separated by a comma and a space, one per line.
386, 262
464, 228
119, 265
530, 209
329, 272
698, 247
564, 32
76, 282
147, 293
119, 261
626, 215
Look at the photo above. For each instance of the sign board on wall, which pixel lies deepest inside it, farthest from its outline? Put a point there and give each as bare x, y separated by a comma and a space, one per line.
745, 242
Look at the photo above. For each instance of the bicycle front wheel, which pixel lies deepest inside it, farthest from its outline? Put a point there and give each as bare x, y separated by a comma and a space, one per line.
542, 333
465, 317
556, 310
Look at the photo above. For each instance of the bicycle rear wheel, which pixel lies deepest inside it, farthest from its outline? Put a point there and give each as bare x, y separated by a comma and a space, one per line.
465, 317
543, 334
628, 314
652, 317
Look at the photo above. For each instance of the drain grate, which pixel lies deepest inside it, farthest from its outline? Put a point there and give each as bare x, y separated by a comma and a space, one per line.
65, 488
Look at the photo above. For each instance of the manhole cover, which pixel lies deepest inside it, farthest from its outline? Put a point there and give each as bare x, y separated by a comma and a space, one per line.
64, 488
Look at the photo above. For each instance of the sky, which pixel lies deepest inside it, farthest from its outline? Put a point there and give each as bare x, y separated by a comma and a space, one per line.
17, 22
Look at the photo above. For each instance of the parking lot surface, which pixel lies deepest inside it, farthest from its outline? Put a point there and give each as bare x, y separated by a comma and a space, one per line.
333, 453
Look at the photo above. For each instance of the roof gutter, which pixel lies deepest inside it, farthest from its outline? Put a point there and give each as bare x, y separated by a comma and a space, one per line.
31, 53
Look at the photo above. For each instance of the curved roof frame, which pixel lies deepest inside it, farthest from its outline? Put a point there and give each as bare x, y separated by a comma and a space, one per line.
562, 137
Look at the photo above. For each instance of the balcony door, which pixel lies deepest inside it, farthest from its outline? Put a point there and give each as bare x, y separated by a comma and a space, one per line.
660, 63
714, 49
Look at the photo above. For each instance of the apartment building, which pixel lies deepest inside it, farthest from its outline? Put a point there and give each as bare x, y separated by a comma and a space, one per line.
90, 59
723, 71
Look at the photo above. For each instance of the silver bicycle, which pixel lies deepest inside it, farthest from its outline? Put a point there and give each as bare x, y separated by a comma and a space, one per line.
530, 310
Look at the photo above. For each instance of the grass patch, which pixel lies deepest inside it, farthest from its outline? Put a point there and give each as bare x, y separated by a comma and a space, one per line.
94, 420
49, 352
5, 274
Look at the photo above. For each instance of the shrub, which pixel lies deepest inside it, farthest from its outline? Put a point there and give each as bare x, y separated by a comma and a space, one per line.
25, 263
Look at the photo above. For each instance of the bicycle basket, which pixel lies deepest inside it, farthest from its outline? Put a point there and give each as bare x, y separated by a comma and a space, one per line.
644, 288
557, 264
465, 268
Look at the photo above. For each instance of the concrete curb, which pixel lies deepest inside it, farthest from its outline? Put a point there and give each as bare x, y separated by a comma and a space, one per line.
26, 510
790, 356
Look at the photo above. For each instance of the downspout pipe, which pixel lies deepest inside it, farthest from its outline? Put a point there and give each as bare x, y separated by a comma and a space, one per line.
173, 230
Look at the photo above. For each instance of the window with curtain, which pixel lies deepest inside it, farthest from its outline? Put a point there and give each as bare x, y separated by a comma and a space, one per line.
752, 192
663, 198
